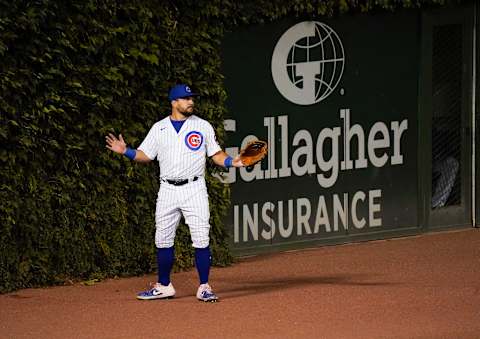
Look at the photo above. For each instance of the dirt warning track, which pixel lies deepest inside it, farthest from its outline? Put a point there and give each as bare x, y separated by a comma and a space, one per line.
425, 286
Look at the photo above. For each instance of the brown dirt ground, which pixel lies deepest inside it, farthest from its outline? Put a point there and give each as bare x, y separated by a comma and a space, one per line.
425, 286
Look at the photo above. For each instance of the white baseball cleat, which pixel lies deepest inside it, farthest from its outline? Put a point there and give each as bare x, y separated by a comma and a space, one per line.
157, 292
205, 293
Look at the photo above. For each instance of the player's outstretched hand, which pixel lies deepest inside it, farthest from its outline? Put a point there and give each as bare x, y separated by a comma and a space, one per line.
237, 162
114, 144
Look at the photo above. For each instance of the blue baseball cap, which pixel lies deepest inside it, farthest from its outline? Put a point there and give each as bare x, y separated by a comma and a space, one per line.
180, 91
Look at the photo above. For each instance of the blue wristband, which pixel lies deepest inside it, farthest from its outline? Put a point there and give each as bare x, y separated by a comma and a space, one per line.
228, 162
130, 153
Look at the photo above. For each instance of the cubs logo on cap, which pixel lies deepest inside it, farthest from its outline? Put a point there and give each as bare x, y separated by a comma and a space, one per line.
181, 91
194, 140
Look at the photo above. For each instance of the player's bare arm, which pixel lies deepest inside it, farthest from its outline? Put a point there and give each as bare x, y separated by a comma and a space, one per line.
219, 159
119, 146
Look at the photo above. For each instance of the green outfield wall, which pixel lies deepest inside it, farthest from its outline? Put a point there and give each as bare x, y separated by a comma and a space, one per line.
350, 107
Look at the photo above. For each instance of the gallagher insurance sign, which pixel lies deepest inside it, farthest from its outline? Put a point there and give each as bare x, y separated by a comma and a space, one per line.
337, 102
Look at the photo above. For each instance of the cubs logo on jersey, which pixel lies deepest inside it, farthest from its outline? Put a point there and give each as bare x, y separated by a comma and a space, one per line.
194, 140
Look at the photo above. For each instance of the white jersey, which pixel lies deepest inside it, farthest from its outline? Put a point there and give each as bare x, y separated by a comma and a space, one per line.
180, 155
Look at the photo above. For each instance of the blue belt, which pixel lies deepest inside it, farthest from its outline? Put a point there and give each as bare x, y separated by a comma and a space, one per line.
179, 182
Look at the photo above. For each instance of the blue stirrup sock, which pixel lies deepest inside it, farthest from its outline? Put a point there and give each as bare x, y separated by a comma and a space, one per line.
165, 258
203, 261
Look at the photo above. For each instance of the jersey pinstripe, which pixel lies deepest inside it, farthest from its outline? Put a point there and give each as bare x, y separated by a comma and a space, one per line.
180, 155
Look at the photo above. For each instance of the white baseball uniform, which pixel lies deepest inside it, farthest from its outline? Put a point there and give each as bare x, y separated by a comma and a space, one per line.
181, 156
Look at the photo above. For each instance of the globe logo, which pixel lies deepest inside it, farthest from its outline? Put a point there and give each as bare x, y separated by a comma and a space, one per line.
308, 62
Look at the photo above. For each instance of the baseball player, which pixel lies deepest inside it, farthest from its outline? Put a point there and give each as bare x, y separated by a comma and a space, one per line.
180, 143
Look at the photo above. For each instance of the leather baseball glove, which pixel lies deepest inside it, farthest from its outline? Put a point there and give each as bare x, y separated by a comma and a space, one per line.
254, 152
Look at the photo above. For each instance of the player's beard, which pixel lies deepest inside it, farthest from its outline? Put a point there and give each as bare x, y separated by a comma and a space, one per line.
188, 112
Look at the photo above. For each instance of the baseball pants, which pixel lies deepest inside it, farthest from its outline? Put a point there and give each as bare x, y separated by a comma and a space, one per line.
191, 200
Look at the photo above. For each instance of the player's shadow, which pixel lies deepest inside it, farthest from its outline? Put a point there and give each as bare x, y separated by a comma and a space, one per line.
239, 288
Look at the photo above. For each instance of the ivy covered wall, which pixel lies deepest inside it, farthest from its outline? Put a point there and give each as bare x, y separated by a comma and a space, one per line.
71, 72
